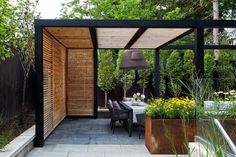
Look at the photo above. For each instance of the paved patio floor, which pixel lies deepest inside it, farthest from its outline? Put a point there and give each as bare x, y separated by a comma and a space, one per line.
92, 138
92, 131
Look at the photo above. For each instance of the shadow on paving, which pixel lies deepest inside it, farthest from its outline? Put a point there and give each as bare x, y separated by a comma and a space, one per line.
93, 131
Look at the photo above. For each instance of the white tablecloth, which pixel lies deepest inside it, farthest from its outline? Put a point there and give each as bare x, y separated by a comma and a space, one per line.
136, 109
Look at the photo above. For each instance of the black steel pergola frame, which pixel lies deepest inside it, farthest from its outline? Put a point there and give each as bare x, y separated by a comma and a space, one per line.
196, 26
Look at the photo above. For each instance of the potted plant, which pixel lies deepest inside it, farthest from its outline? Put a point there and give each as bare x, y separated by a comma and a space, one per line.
138, 97
169, 125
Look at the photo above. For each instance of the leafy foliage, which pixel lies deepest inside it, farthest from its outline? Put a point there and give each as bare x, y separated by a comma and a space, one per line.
174, 65
108, 9
144, 75
17, 31
175, 14
7, 13
225, 71
106, 71
175, 71
125, 78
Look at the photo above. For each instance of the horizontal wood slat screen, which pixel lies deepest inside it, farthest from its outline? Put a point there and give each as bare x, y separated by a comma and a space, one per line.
54, 55
47, 84
80, 82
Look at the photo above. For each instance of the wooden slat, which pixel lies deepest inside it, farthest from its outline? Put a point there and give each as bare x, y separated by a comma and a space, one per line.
59, 82
53, 83
80, 86
72, 37
154, 37
114, 37
47, 80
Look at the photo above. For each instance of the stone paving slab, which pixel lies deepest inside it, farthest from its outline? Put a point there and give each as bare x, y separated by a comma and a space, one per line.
68, 150
92, 131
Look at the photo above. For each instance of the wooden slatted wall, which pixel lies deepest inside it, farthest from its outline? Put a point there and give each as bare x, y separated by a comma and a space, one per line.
54, 58
47, 84
59, 109
80, 82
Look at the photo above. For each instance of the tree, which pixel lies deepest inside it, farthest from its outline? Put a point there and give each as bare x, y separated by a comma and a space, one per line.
106, 72
225, 72
125, 78
209, 67
19, 38
188, 68
174, 67
6, 32
109, 9
144, 75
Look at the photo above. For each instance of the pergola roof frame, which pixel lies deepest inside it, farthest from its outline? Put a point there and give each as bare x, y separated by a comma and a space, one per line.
198, 46
137, 23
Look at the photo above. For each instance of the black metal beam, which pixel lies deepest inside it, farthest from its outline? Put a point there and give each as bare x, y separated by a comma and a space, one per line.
117, 23
95, 68
184, 47
93, 34
138, 23
199, 52
136, 36
176, 38
157, 77
229, 47
39, 112
216, 24
95, 59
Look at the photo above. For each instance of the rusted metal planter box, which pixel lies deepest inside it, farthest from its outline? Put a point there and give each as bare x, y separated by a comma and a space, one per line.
169, 136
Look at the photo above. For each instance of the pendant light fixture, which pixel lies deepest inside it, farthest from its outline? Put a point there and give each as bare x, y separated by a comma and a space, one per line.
133, 59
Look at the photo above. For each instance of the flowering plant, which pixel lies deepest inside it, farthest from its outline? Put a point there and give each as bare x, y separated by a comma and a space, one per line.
138, 96
225, 96
171, 108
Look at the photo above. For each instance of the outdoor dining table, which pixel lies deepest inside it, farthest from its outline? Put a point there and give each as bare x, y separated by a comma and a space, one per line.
133, 109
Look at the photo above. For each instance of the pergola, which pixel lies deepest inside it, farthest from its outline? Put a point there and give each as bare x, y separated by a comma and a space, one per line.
66, 60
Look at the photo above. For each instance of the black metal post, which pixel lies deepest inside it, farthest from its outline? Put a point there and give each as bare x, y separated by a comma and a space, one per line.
157, 78
199, 52
95, 58
39, 108
95, 68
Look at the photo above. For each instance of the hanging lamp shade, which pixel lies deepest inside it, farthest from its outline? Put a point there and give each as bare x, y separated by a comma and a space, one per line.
133, 59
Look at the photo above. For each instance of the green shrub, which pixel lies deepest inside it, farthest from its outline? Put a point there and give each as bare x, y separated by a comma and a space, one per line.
225, 72
175, 71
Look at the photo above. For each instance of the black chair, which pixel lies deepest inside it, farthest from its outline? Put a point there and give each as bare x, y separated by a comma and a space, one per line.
117, 114
141, 122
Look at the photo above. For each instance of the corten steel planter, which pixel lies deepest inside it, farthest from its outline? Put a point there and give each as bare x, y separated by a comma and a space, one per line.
230, 127
168, 136
207, 125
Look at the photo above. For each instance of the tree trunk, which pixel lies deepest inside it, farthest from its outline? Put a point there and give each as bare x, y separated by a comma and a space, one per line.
23, 101
143, 91
216, 30
124, 89
105, 100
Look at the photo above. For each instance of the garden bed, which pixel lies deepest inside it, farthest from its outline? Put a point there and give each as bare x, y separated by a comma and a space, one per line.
12, 129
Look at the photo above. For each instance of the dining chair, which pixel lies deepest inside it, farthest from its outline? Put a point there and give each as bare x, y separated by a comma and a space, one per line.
117, 114
141, 122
